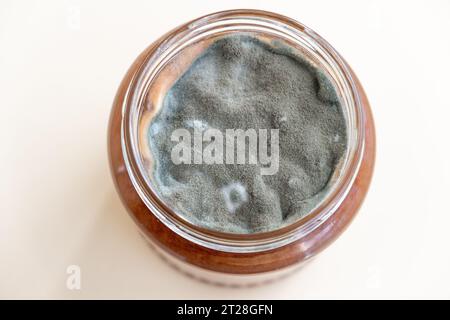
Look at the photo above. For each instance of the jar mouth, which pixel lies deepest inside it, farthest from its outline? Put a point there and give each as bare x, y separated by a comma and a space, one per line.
260, 22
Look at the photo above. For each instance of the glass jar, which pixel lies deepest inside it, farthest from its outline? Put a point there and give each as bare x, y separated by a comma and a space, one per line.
228, 258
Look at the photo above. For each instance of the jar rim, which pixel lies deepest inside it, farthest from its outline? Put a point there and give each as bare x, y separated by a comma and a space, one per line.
171, 43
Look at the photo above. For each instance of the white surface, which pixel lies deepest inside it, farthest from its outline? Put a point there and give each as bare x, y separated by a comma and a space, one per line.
60, 65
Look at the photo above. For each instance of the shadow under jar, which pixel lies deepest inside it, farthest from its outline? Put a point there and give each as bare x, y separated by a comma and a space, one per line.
234, 258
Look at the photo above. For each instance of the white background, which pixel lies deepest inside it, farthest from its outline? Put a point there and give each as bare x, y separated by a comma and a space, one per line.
60, 65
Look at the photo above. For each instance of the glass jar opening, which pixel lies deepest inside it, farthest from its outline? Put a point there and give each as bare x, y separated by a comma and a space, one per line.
189, 40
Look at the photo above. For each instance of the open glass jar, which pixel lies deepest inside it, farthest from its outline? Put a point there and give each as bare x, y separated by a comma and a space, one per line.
220, 257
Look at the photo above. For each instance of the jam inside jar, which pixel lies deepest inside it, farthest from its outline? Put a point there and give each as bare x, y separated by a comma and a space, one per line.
243, 254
